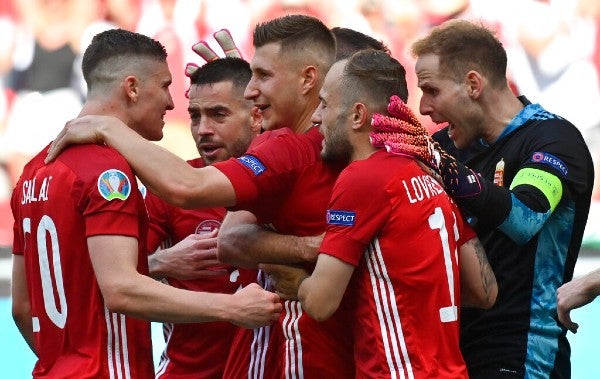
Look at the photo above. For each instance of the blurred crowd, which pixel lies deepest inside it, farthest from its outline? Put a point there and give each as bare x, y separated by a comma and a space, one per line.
553, 47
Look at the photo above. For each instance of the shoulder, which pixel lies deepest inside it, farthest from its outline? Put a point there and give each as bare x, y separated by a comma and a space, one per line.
95, 163
288, 148
377, 170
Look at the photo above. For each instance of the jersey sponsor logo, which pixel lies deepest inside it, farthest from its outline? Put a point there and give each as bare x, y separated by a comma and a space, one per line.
551, 160
253, 164
344, 218
207, 226
114, 184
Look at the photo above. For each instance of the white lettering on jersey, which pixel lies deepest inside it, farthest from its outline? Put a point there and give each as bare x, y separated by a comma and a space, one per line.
421, 187
31, 195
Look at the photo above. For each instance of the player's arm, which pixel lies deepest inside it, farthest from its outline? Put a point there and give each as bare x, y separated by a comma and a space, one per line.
114, 259
21, 305
321, 293
519, 211
243, 243
477, 280
575, 294
193, 257
164, 173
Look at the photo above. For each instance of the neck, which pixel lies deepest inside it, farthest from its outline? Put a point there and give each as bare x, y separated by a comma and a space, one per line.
101, 108
498, 113
304, 122
362, 150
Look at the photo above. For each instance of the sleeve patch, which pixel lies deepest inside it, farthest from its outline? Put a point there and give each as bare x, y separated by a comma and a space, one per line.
550, 160
114, 184
253, 163
343, 218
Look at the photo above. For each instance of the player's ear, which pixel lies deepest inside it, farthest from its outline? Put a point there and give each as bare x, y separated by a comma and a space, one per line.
255, 120
360, 116
310, 78
474, 83
131, 87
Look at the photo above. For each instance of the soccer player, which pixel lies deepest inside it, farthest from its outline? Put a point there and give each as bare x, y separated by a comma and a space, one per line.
392, 237
79, 286
526, 185
223, 124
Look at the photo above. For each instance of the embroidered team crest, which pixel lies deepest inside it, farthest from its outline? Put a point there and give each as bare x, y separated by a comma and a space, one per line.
343, 218
207, 226
550, 160
114, 184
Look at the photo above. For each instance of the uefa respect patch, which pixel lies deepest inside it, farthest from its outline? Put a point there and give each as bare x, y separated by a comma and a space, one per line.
253, 164
343, 218
550, 160
114, 184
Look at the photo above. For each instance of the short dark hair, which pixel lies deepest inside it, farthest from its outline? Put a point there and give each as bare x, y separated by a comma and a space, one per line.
463, 46
349, 41
231, 69
115, 44
376, 75
296, 33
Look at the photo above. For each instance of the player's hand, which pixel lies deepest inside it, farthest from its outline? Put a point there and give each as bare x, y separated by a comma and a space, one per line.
225, 41
569, 296
254, 307
285, 279
81, 130
194, 257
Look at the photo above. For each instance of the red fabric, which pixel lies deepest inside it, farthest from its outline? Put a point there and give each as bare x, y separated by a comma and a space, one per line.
291, 196
401, 282
193, 350
63, 202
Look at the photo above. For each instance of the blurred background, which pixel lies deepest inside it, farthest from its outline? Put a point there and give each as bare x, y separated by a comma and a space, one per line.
553, 52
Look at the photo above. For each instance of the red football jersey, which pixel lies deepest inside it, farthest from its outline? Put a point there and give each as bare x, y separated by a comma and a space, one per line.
193, 350
401, 231
282, 180
89, 190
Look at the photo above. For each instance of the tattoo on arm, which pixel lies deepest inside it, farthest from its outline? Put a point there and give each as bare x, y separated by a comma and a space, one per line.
487, 274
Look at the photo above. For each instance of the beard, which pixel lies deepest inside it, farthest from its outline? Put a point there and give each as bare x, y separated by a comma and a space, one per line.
337, 150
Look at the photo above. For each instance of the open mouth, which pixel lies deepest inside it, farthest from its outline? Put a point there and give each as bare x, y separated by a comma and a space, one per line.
209, 148
262, 107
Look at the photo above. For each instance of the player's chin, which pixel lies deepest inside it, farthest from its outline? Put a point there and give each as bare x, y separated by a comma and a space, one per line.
156, 135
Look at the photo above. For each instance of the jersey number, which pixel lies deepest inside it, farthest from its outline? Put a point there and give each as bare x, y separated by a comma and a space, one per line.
436, 221
51, 283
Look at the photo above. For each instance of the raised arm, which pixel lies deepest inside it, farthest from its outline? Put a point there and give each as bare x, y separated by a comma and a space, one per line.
477, 280
114, 259
243, 243
164, 173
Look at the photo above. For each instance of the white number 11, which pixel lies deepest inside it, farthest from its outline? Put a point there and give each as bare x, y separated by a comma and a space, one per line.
436, 221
